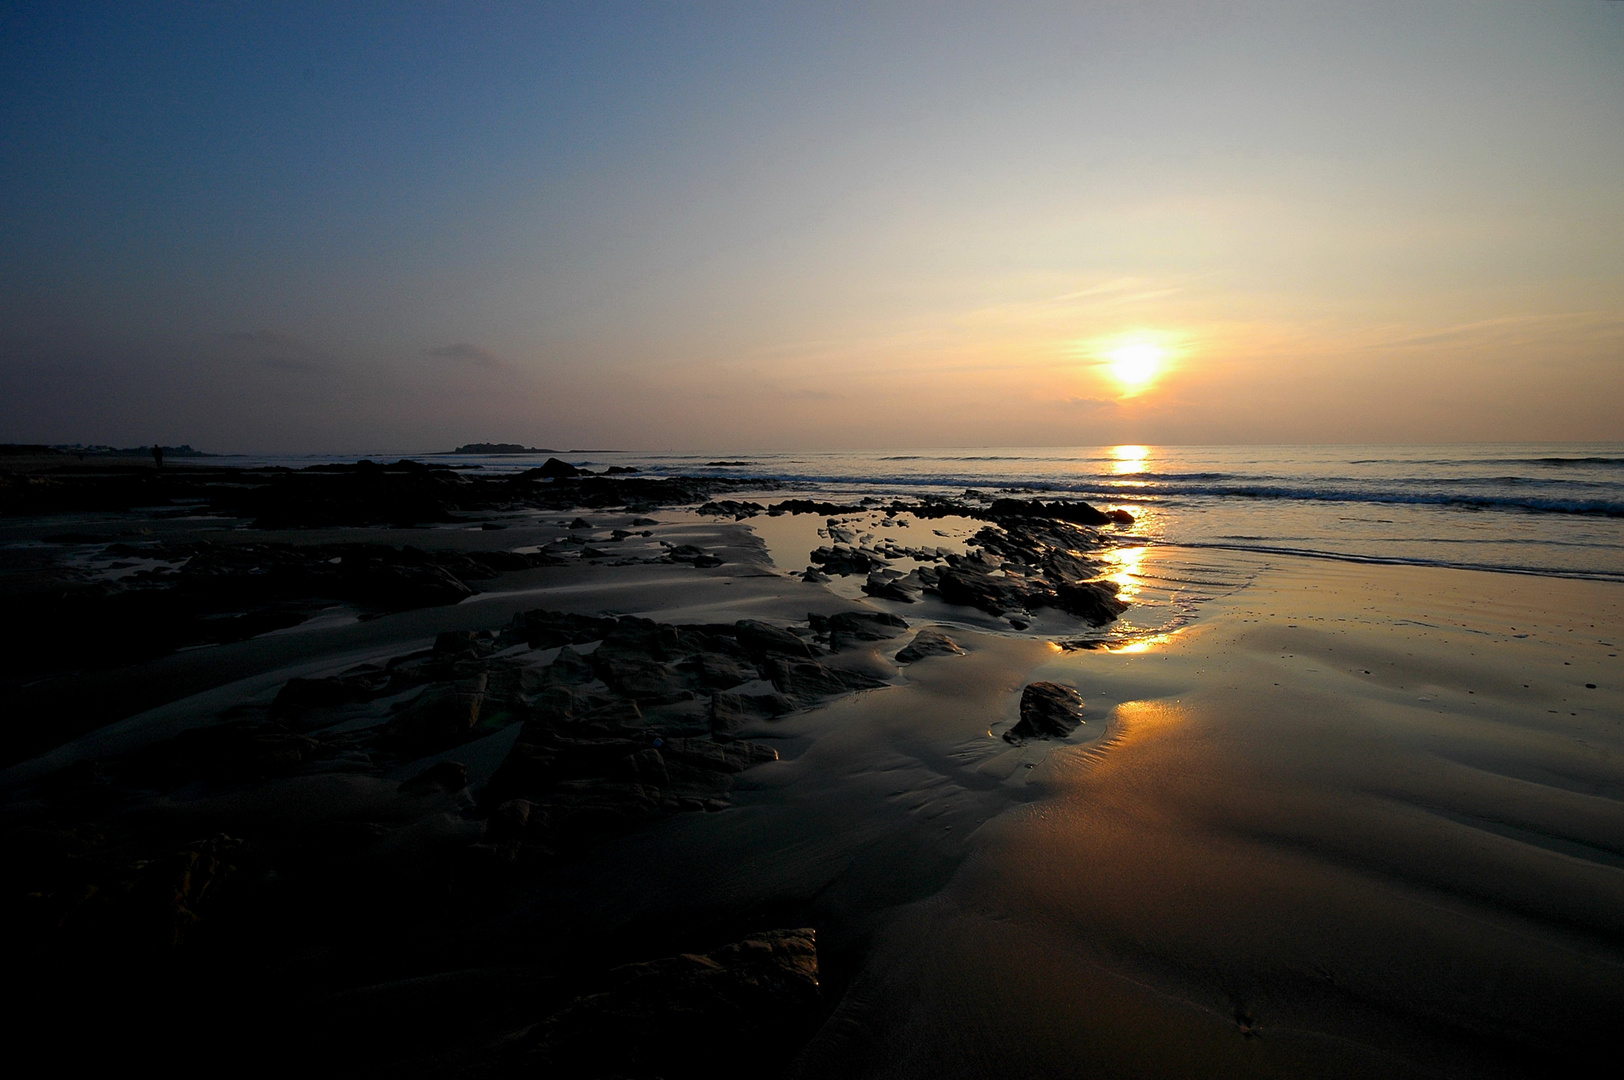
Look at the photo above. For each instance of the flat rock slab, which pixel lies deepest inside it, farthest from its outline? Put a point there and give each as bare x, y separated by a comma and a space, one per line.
929, 643
807, 681
1048, 711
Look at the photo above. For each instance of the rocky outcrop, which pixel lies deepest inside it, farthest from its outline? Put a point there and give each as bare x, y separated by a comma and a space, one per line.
741, 1010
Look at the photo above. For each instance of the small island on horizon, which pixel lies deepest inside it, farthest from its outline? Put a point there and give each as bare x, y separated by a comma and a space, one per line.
500, 448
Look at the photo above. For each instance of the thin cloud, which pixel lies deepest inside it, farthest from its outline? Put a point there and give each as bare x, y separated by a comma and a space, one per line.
273, 338
277, 351
463, 352
1506, 329
291, 364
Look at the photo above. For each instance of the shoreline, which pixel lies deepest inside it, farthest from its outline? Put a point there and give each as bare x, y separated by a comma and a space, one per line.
1311, 824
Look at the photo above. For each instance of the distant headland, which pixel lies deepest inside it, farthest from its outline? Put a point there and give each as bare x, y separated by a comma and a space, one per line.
500, 448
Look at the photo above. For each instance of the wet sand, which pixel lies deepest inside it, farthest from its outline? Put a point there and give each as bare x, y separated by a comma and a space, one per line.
1352, 823
1350, 820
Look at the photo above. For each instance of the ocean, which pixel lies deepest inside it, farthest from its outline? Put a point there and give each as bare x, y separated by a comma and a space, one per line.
1552, 509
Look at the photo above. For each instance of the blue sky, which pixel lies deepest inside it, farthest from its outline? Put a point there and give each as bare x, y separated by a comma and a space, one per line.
404, 226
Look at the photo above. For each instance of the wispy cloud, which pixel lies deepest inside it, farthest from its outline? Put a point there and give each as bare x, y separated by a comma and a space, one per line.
1119, 291
464, 353
1508, 329
277, 351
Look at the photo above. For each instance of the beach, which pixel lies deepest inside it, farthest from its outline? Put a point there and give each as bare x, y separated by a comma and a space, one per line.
1322, 815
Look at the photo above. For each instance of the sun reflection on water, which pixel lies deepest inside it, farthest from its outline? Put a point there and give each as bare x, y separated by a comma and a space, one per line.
1124, 568
1144, 644
1129, 459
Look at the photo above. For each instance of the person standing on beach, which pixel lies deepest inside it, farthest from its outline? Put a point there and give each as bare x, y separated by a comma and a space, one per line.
157, 456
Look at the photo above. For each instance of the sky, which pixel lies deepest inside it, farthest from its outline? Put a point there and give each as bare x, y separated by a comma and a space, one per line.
352, 227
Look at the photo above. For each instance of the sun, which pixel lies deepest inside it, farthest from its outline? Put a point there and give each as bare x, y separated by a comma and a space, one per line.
1135, 364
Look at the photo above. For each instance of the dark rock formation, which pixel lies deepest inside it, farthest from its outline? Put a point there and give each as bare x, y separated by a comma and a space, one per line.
733, 509
553, 469
807, 681
928, 642
848, 628
1048, 711
742, 1010
763, 640
1076, 513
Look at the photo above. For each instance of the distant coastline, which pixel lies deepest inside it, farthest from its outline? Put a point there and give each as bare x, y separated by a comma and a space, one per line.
500, 448
23, 449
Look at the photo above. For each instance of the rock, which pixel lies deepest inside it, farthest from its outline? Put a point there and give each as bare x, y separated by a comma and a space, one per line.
808, 681
1120, 517
549, 629
717, 671
402, 585
889, 589
1095, 601
647, 681
744, 1009
227, 752
729, 713
1077, 513
732, 508
554, 469
579, 524
703, 561
848, 560
647, 766
456, 641
762, 640
298, 695
974, 588
1048, 711
441, 716
867, 625
815, 576
928, 643
854, 627
443, 776
732, 757
569, 668
640, 522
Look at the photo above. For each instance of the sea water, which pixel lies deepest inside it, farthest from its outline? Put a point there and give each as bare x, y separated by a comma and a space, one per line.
1546, 508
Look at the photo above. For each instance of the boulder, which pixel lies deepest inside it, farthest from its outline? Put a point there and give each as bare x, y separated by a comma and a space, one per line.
889, 588
1095, 601
928, 643
553, 469
1048, 711
867, 625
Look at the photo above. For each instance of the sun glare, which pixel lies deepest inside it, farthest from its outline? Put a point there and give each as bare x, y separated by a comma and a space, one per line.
1135, 363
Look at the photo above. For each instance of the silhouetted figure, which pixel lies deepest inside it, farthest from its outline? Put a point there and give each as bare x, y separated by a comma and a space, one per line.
157, 455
